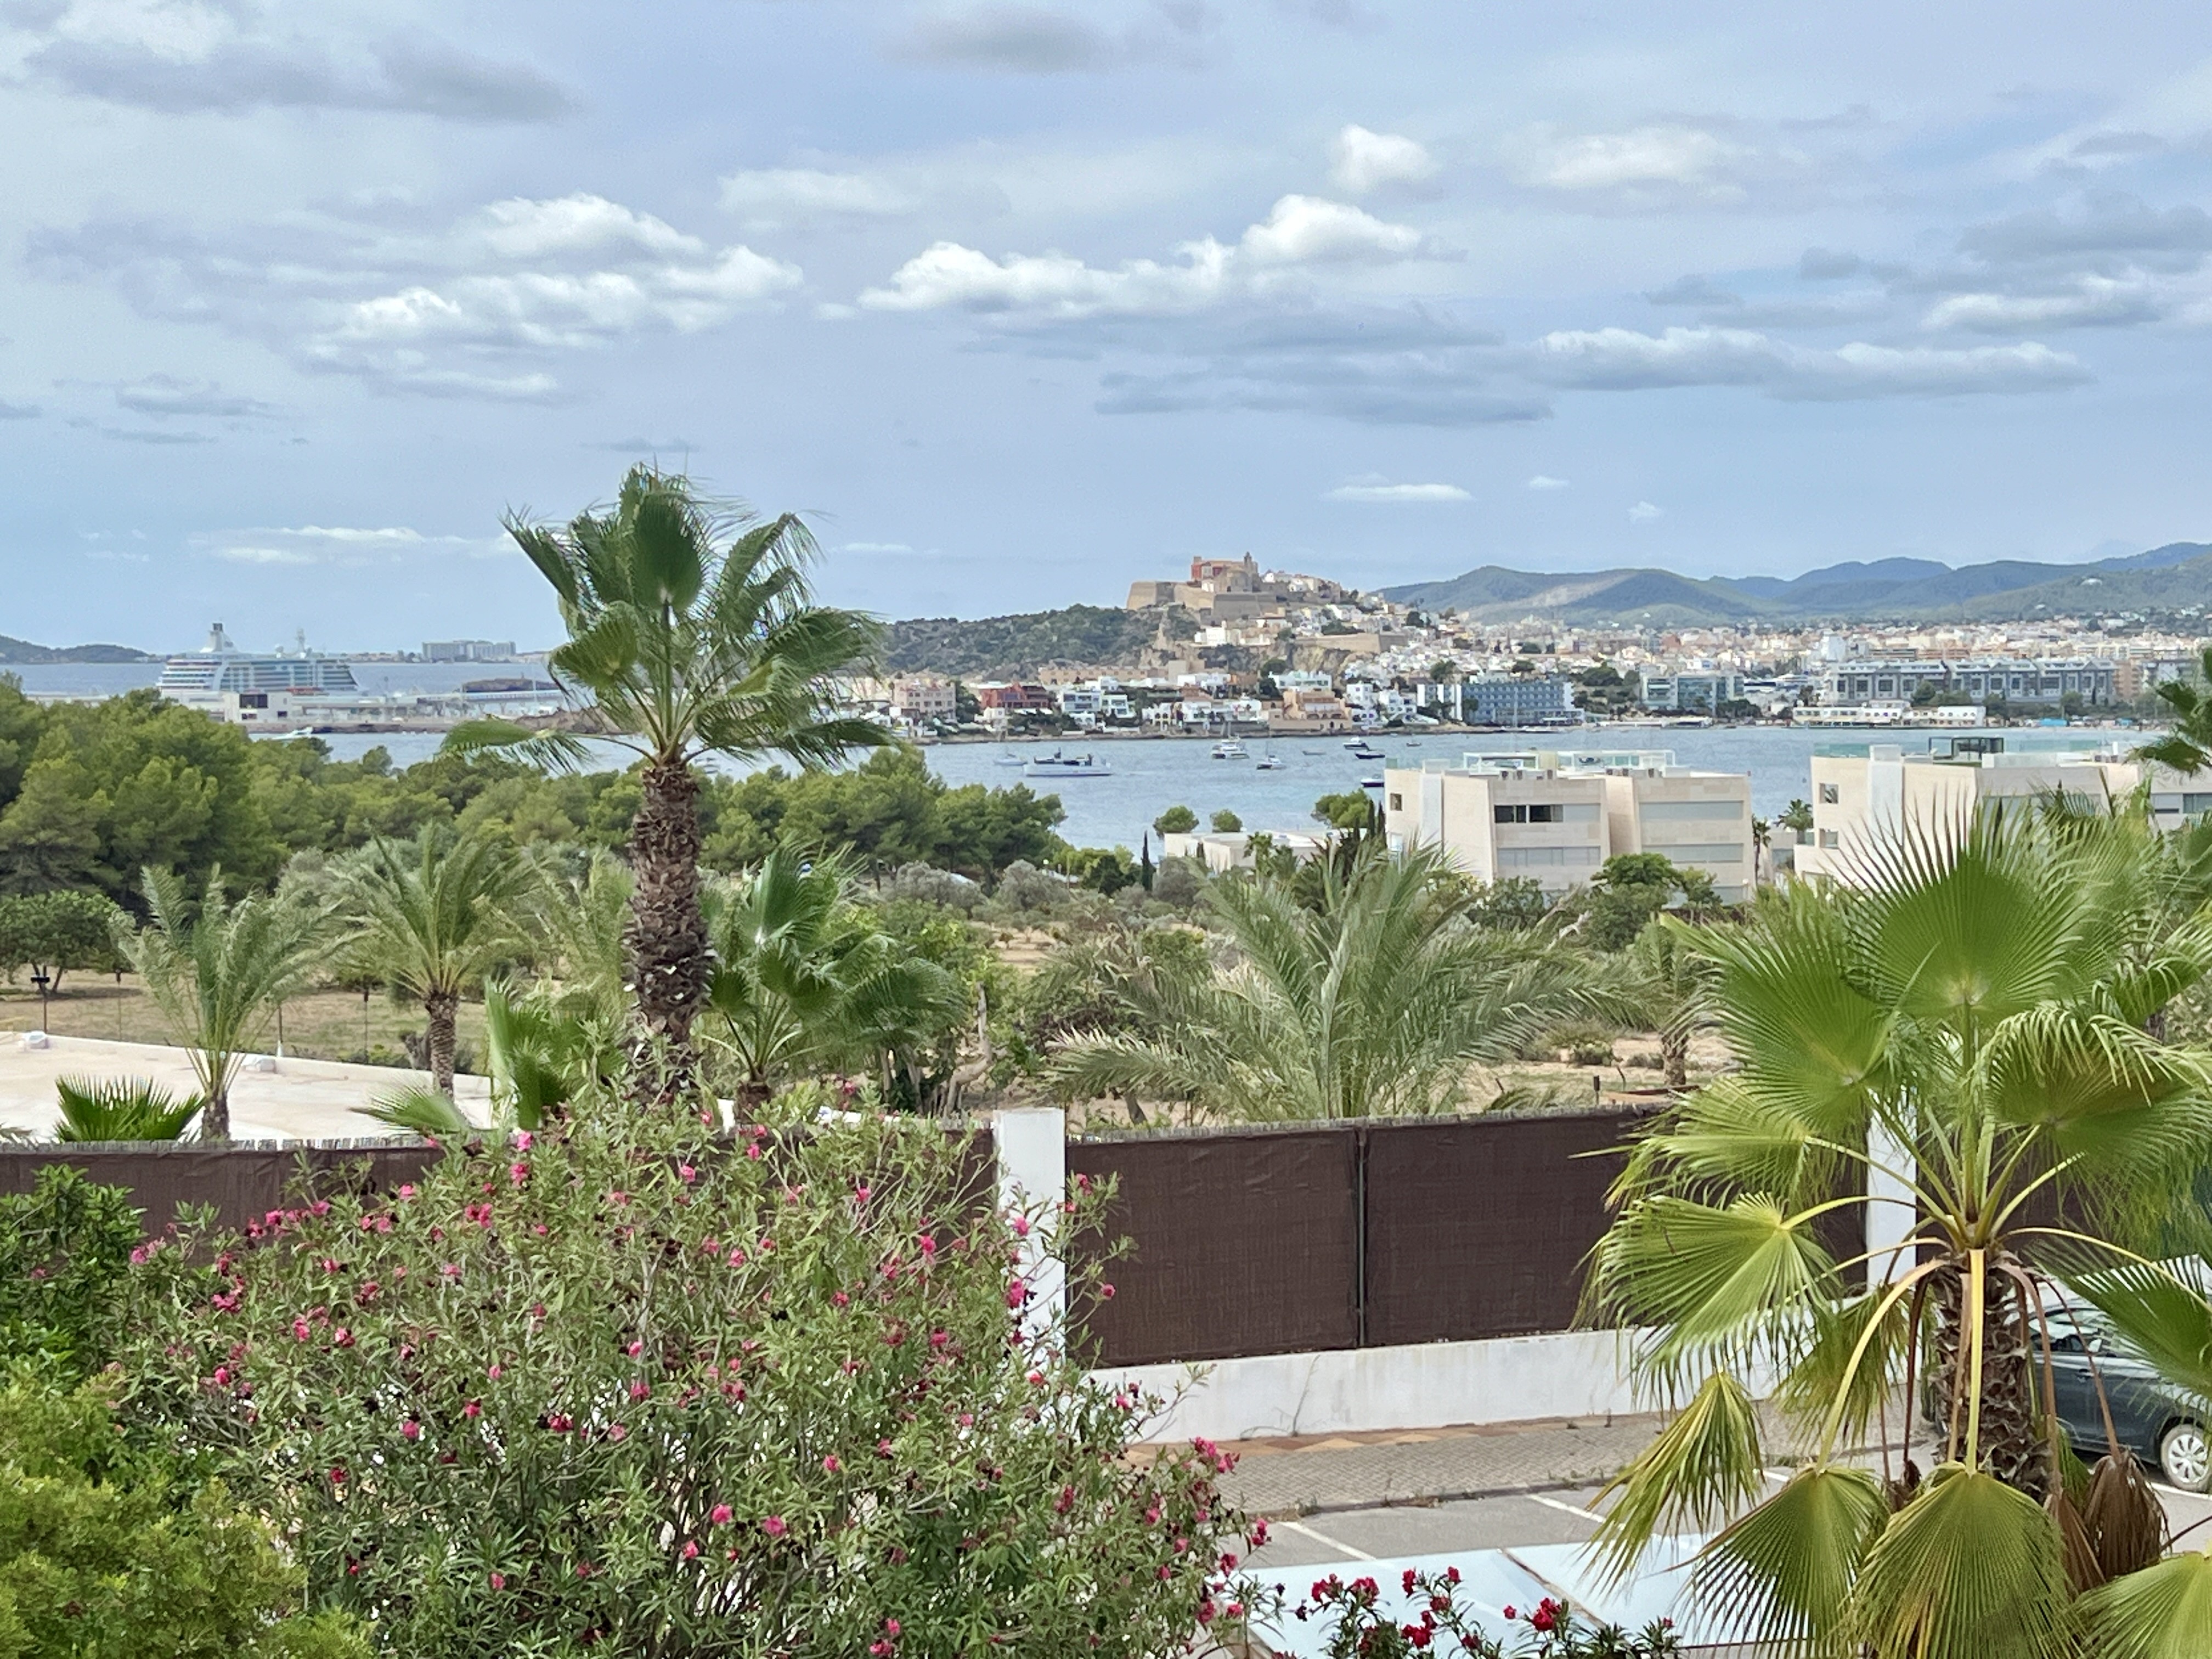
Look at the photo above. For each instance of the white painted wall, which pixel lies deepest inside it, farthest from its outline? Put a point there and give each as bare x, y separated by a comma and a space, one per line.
1032, 1144
1426, 1385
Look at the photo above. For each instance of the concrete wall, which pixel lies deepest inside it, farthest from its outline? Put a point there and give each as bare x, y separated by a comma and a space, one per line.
1430, 1385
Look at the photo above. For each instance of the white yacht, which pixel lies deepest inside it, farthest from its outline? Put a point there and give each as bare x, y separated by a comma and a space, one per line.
200, 678
1271, 761
1230, 748
1058, 765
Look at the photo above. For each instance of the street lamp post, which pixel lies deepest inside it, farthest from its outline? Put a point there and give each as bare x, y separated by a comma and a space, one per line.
40, 978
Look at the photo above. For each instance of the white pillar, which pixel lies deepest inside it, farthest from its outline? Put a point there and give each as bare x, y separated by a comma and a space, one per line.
1032, 1144
1887, 1225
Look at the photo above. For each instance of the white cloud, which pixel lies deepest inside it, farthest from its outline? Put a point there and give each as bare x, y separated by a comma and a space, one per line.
1644, 512
875, 547
412, 305
770, 197
1299, 231
165, 394
1619, 359
1544, 481
1361, 161
2096, 302
336, 544
1376, 491
1643, 156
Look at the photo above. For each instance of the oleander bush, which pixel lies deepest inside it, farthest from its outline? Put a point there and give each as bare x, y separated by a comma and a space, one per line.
641, 1387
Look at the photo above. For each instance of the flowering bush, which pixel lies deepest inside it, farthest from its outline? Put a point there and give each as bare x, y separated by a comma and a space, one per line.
1360, 1628
65, 1251
635, 1386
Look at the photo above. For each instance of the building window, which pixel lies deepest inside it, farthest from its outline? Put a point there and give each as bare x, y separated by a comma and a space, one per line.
1829, 794
1829, 838
1397, 802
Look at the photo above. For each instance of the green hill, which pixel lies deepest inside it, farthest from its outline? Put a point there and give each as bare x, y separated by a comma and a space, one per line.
23, 653
1010, 647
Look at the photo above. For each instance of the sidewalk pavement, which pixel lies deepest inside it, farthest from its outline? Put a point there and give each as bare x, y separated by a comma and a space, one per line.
1310, 1474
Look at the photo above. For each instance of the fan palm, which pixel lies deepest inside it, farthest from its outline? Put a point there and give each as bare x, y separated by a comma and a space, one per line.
1963, 1034
120, 1109
683, 644
1373, 999
539, 1061
215, 976
431, 918
805, 979
2188, 748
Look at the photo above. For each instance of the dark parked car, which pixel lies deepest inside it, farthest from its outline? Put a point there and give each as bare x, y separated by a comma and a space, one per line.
2161, 1426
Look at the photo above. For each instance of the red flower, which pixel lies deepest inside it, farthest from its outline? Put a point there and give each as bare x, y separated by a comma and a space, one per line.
831, 1466
690, 1551
411, 1430
499, 1581
773, 1526
721, 1515
472, 1408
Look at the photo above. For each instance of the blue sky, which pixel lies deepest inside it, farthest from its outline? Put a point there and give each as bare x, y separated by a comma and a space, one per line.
1023, 300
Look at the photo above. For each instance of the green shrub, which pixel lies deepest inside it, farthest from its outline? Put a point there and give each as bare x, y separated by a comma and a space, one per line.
109, 1553
1587, 1043
121, 1109
636, 1385
65, 1248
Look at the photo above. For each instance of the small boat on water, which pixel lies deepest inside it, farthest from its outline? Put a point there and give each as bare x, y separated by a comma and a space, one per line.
1271, 761
1059, 765
1371, 783
1364, 751
1008, 757
1313, 751
1230, 748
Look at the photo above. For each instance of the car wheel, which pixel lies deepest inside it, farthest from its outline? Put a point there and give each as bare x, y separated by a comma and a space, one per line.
2185, 1457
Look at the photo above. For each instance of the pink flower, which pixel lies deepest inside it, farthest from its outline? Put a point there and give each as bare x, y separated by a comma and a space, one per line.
473, 1409
838, 1299
640, 1391
690, 1551
773, 1526
617, 1433
518, 1173
299, 1330
523, 1140
1106, 1292
337, 1476
688, 1173
753, 1151
1016, 1293
831, 1466
721, 1515
1021, 1226
890, 1627
411, 1430
499, 1581
493, 1372
862, 1194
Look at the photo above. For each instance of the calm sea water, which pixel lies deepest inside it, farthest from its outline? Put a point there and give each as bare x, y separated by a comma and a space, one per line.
1152, 774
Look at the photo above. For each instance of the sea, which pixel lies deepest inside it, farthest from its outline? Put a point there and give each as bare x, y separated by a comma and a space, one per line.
1150, 775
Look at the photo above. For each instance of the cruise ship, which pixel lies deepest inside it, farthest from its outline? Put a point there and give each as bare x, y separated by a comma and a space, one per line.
200, 678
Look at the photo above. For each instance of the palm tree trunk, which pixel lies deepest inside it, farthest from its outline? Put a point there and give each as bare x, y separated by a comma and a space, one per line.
667, 936
1675, 1056
2013, 1444
442, 1008
214, 1116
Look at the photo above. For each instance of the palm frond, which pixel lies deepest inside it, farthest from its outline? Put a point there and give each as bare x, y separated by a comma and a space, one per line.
422, 1112
552, 751
1970, 1568
1782, 1573
121, 1109
2163, 1611
1703, 1466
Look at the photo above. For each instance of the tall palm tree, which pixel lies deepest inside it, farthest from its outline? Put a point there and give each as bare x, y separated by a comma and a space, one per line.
805, 979
1375, 998
1962, 1034
217, 975
2188, 748
692, 631
1666, 984
431, 917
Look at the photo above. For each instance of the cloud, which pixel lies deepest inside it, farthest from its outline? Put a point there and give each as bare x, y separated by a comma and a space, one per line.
2106, 230
335, 545
1643, 156
1545, 481
164, 395
2092, 302
1035, 39
1694, 290
1361, 161
19, 412
1820, 264
875, 547
1621, 360
771, 197
231, 56
1673, 165
1299, 231
1377, 490
159, 436
1644, 513
409, 304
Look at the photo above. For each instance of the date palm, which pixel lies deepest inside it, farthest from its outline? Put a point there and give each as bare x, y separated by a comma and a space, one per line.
692, 631
1375, 998
805, 979
2188, 748
431, 917
1962, 1033
217, 975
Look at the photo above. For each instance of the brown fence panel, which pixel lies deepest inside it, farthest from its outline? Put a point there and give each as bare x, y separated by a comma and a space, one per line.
1245, 1242
243, 1182
1477, 1227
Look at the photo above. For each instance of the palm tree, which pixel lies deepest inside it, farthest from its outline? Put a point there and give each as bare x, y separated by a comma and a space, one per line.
684, 644
1375, 999
216, 977
538, 1059
2188, 748
1963, 1034
120, 1109
805, 979
431, 918
1666, 986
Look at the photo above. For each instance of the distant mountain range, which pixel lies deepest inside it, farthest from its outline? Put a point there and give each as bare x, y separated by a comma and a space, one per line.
2177, 576
16, 654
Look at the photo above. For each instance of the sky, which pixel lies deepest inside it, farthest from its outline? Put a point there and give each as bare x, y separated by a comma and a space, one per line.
1020, 300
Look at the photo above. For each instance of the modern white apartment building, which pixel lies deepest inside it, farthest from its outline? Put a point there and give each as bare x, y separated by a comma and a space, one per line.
1864, 791
1557, 816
